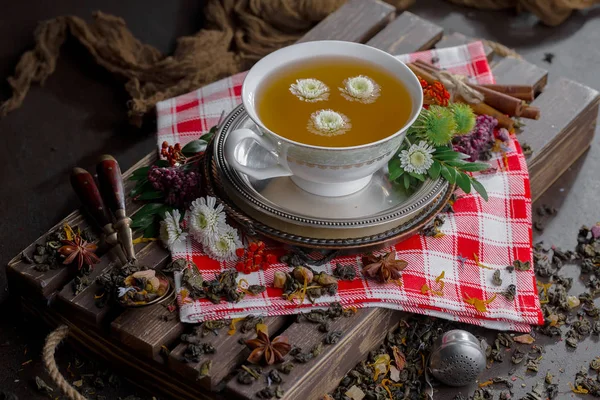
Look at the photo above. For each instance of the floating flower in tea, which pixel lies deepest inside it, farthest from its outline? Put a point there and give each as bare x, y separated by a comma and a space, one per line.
171, 232
417, 158
360, 88
328, 123
310, 90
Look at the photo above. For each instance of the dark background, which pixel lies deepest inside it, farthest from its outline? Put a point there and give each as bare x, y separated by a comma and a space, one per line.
80, 114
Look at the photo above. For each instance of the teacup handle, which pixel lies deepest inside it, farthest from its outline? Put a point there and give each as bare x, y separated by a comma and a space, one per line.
235, 138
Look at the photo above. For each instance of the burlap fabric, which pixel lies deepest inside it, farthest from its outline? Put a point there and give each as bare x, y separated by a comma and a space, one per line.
238, 33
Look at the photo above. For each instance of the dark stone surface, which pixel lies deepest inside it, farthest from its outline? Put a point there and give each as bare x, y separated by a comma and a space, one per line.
80, 114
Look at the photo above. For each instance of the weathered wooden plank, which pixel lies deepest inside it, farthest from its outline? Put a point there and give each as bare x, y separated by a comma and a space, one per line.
458, 39
46, 283
406, 34
229, 354
355, 21
361, 333
563, 133
145, 330
83, 305
514, 71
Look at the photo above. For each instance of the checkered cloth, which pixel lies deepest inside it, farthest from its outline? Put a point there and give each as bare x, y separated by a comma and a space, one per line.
496, 232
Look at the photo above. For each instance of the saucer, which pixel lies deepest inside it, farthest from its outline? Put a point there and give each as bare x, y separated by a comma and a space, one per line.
381, 203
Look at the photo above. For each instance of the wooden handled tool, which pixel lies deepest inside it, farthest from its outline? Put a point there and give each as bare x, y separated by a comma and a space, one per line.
85, 187
111, 188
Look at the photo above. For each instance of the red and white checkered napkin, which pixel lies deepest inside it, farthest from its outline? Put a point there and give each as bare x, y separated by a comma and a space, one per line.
497, 232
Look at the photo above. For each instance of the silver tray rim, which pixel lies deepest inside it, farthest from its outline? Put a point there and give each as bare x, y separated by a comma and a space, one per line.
232, 177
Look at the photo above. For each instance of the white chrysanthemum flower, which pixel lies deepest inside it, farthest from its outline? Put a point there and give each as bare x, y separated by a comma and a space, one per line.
360, 88
225, 244
417, 158
310, 90
170, 229
328, 123
206, 218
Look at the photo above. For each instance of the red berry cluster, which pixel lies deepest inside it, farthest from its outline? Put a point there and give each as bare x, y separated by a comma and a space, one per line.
173, 154
254, 257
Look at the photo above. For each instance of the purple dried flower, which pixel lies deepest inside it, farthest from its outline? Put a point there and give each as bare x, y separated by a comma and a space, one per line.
479, 141
503, 134
180, 187
595, 231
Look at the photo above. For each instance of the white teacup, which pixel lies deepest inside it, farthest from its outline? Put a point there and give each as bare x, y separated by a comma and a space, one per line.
324, 171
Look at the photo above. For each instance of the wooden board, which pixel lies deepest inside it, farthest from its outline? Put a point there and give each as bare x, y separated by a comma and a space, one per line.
132, 339
83, 305
562, 135
407, 34
228, 356
361, 333
516, 71
355, 21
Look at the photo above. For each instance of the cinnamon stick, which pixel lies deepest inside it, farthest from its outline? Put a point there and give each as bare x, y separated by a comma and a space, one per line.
531, 112
427, 77
483, 109
523, 92
500, 101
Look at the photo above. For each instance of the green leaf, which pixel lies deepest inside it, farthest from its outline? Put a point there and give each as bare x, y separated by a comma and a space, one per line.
162, 163
456, 163
463, 156
193, 148
443, 149
449, 174
395, 171
434, 170
475, 166
142, 221
151, 209
480, 189
406, 181
417, 176
152, 230
447, 156
140, 187
464, 182
207, 137
139, 174
151, 195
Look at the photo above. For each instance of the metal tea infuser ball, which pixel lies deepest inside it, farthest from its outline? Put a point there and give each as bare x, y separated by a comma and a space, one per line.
457, 358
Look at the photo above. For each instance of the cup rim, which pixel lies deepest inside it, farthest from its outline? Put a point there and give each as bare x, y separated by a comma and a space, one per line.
265, 60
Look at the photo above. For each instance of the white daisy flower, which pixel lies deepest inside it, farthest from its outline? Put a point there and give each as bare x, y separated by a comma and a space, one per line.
417, 158
328, 123
224, 246
310, 90
206, 218
170, 229
360, 88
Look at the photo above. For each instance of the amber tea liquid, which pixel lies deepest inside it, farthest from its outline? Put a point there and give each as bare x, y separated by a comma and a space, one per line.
333, 102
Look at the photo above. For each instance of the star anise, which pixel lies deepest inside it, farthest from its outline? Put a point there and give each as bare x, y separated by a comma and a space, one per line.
80, 250
385, 267
269, 351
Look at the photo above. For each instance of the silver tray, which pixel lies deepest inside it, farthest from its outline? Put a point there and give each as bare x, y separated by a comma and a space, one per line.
381, 204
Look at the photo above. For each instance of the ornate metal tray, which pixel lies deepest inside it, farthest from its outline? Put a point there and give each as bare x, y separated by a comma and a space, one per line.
381, 203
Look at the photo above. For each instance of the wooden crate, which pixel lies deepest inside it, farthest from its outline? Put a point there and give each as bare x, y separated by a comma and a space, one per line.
133, 339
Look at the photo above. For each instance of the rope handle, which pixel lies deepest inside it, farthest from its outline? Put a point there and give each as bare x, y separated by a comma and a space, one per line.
52, 342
